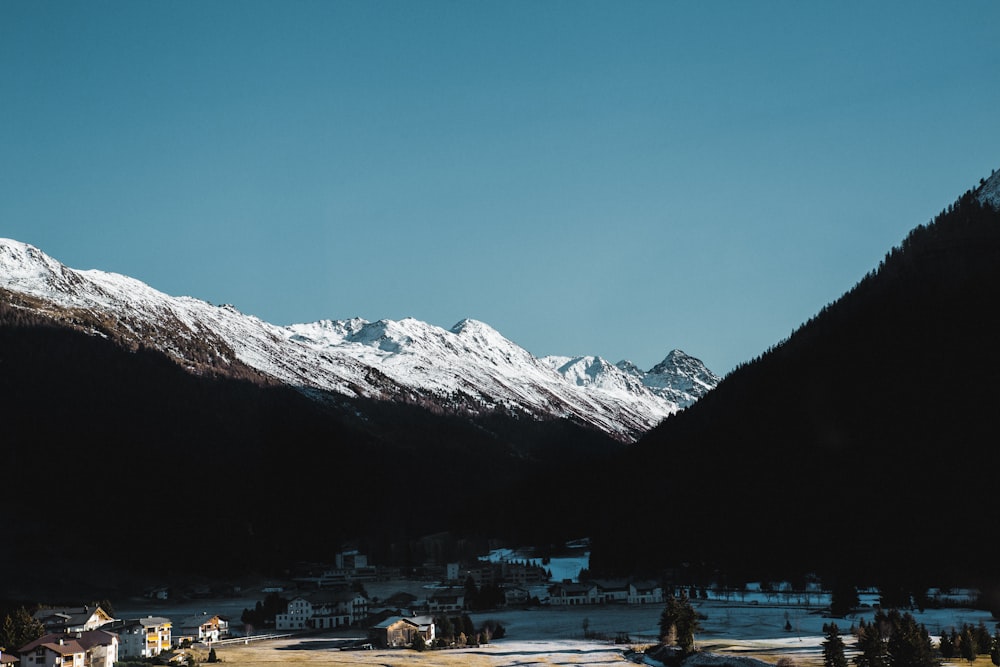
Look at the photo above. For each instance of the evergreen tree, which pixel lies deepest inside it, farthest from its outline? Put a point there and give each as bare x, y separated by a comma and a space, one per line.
687, 625
18, 629
843, 598
668, 620
947, 646
445, 629
894, 640
833, 647
871, 649
909, 643
983, 639
995, 649
967, 645
468, 627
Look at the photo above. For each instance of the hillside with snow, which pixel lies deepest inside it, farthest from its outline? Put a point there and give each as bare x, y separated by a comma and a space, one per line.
469, 369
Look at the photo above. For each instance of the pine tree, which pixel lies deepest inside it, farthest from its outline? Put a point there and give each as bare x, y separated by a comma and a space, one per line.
968, 644
833, 647
947, 646
18, 629
687, 625
843, 598
668, 620
445, 629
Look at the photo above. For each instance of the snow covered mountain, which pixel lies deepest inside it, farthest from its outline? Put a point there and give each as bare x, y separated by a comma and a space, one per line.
988, 191
468, 369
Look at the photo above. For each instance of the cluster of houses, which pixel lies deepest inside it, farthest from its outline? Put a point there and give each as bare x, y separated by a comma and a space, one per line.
90, 637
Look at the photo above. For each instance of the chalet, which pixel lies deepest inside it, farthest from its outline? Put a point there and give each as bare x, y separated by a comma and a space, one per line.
644, 592
145, 637
446, 599
323, 610
72, 619
7, 659
53, 650
612, 591
401, 631
201, 628
568, 593
91, 648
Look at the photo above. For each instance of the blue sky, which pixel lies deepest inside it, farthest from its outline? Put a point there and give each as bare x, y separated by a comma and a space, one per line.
608, 178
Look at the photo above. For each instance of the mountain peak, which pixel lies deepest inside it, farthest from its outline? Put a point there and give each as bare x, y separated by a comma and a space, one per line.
25, 266
470, 369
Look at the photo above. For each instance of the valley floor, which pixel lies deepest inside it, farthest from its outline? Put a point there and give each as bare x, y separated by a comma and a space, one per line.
555, 636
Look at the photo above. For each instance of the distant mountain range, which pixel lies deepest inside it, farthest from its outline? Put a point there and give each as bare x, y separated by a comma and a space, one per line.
470, 369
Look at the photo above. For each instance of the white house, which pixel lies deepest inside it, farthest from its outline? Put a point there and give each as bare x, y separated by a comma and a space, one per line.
613, 591
446, 599
92, 648
574, 594
145, 637
53, 651
323, 610
644, 592
202, 628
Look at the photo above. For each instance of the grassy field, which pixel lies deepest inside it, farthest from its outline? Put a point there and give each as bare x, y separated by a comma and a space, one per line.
501, 654
316, 652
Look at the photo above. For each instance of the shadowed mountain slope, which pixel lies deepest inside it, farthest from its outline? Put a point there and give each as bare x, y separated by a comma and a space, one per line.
864, 446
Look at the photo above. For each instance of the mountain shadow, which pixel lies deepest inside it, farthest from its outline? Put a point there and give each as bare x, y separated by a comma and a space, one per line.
118, 460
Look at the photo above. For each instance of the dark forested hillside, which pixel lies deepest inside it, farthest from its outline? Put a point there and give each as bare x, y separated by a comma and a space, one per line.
864, 446
116, 457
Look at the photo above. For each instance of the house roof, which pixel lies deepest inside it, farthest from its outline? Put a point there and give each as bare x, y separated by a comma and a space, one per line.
573, 588
448, 594
411, 620
612, 584
85, 640
146, 621
57, 643
645, 585
69, 616
199, 620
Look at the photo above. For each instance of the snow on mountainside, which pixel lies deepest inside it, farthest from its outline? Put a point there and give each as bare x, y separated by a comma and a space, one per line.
468, 369
989, 191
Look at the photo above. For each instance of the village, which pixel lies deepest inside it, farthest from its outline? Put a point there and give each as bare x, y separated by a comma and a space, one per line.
351, 605
323, 599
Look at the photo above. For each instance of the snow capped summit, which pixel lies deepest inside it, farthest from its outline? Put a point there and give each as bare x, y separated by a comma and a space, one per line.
680, 378
468, 369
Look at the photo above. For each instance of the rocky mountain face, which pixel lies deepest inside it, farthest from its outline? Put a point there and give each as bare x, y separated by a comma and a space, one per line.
470, 369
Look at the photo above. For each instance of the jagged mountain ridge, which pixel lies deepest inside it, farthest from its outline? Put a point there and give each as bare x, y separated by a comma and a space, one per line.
469, 369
